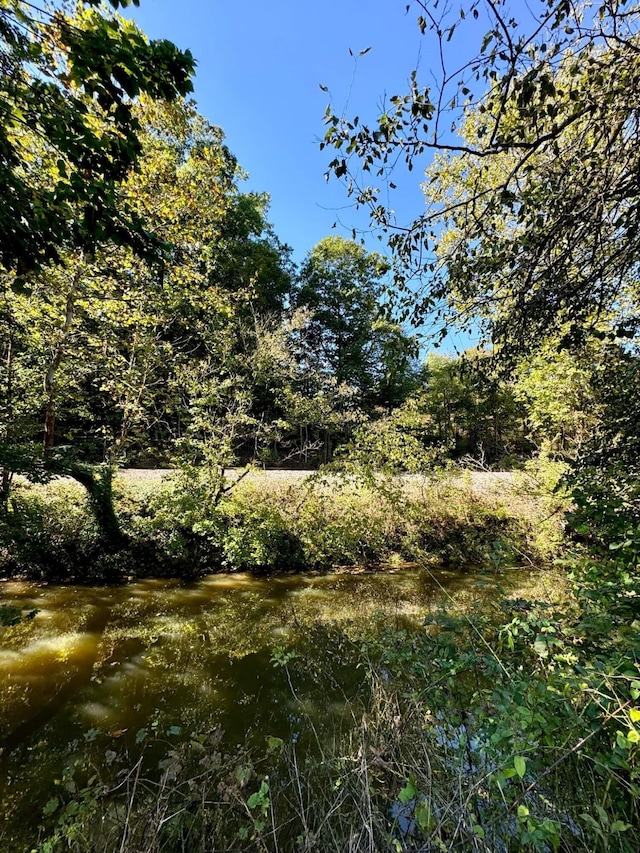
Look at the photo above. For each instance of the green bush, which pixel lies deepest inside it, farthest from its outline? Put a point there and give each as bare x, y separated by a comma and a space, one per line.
255, 535
197, 522
49, 533
346, 527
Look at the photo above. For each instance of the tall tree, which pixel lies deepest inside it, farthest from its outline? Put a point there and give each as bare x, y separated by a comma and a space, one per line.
347, 337
136, 355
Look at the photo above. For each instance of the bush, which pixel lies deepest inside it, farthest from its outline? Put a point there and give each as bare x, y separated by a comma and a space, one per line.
256, 535
49, 533
197, 522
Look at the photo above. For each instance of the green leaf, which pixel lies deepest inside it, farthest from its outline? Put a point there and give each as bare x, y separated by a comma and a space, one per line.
408, 793
260, 799
541, 646
520, 765
619, 826
51, 806
243, 773
622, 741
424, 816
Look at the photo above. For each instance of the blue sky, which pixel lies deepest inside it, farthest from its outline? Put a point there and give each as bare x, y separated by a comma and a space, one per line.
260, 67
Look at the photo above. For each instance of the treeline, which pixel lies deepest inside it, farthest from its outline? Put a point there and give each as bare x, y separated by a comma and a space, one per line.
156, 319
217, 346
225, 351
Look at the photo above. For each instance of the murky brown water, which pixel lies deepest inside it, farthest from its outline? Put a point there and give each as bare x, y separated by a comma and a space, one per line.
110, 662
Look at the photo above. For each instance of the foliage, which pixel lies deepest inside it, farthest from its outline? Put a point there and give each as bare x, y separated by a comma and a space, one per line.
346, 336
199, 521
394, 444
513, 727
69, 81
259, 537
471, 409
458, 409
562, 409
531, 221
536, 706
48, 533
126, 351
604, 478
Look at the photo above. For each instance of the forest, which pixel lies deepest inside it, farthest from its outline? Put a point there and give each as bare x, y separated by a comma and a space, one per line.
185, 409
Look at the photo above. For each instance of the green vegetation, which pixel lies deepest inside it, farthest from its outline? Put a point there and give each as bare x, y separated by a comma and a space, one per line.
191, 523
149, 315
69, 134
513, 726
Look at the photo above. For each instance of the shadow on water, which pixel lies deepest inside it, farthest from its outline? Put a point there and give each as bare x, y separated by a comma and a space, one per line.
83, 653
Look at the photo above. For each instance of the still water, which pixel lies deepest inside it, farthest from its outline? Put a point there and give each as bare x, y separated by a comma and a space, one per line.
112, 662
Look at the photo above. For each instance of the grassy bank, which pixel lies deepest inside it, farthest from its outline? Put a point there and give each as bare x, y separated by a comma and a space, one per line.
193, 523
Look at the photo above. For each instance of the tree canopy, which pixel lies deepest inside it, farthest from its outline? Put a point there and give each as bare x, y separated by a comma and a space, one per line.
348, 335
531, 223
68, 83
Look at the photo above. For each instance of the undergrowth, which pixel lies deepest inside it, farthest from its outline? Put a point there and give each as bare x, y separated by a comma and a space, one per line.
189, 525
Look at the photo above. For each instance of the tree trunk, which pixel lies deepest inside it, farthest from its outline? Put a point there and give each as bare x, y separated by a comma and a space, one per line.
6, 474
98, 481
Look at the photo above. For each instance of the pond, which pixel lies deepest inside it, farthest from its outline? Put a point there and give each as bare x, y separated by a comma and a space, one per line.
101, 664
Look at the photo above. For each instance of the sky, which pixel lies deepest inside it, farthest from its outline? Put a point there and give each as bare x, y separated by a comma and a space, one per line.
260, 68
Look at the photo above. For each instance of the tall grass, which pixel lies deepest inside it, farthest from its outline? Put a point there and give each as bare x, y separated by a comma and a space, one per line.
185, 526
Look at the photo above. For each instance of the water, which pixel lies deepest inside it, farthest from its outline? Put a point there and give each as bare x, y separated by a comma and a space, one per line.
106, 664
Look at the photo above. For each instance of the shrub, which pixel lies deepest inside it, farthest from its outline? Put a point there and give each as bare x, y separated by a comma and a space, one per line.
49, 533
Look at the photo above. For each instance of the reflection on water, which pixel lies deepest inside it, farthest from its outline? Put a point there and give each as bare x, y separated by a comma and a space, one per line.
191, 655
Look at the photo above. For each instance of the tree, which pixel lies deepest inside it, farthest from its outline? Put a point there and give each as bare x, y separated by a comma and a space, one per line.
469, 409
251, 262
98, 325
69, 138
348, 339
70, 82
532, 221
138, 356
354, 358
557, 389
340, 284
